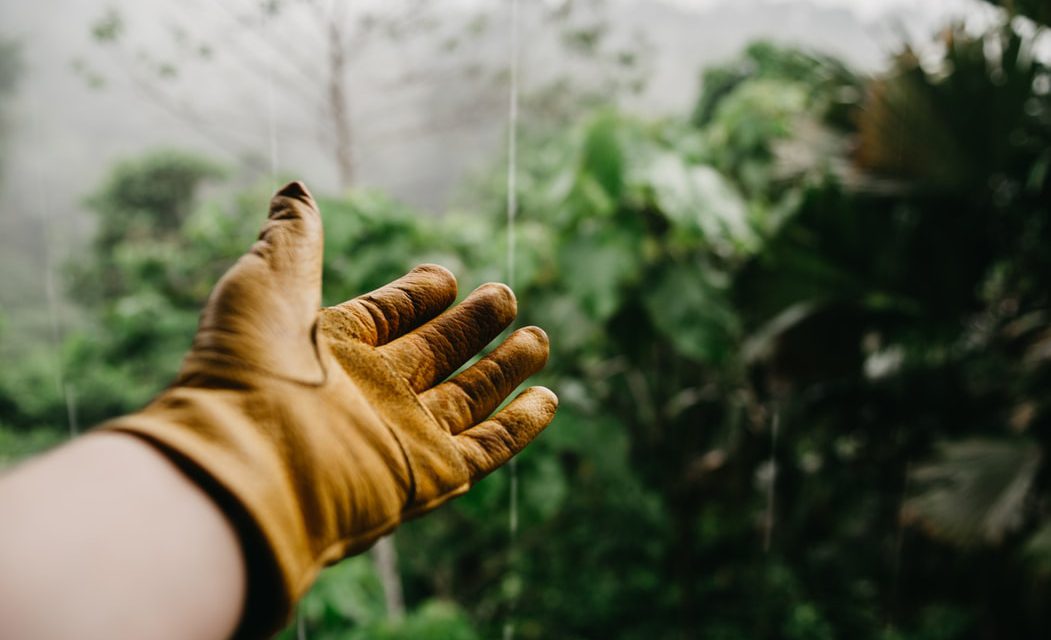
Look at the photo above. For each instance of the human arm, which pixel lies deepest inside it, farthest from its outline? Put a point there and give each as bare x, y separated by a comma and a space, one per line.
316, 431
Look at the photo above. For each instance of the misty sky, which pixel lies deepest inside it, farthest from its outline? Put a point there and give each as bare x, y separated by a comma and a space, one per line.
76, 132
64, 136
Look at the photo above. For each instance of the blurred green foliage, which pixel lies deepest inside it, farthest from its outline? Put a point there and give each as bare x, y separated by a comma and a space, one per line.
347, 604
801, 338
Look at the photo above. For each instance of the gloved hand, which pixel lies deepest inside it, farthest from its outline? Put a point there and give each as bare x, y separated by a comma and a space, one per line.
320, 430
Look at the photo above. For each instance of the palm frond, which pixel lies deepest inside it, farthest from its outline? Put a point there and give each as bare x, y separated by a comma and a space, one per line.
974, 491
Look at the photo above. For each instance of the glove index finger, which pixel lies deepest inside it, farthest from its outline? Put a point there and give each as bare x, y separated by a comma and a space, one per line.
395, 309
489, 445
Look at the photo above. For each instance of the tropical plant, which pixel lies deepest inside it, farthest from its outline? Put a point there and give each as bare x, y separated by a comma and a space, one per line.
801, 342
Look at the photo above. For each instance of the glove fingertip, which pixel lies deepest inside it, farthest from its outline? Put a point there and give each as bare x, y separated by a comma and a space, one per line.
439, 282
296, 189
546, 400
499, 300
294, 202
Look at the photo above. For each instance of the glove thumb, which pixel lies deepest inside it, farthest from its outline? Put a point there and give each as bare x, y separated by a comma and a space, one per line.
264, 309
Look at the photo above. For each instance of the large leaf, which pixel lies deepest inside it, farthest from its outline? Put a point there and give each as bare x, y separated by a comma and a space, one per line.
974, 490
688, 306
595, 266
602, 157
698, 198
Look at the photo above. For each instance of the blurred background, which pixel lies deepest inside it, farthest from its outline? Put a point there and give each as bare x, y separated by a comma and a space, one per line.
794, 257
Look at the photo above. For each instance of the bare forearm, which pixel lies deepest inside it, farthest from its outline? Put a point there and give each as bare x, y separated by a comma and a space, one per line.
105, 538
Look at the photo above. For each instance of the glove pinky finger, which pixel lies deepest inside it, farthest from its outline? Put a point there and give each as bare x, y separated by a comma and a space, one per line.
490, 444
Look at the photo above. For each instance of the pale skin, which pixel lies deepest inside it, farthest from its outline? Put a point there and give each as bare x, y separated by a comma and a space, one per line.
105, 538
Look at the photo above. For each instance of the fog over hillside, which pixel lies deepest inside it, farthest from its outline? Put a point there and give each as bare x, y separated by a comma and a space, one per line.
415, 139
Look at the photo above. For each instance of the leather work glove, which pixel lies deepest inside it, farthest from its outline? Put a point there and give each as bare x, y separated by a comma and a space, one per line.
320, 430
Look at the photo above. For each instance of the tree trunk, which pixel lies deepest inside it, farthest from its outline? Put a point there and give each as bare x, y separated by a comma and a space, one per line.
337, 103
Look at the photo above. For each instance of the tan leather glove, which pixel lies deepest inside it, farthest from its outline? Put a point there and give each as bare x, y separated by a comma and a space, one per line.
320, 430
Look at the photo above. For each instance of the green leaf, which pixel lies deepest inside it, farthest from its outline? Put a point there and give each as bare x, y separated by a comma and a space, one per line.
350, 591
698, 198
595, 267
545, 488
602, 156
589, 198
688, 305
434, 619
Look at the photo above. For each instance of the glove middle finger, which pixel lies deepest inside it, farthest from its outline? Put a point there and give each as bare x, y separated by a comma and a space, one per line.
431, 353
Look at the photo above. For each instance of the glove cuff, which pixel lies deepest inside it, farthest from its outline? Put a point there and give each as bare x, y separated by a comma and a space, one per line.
252, 486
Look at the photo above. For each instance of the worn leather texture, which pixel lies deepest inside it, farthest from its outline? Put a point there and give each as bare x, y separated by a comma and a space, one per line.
319, 430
